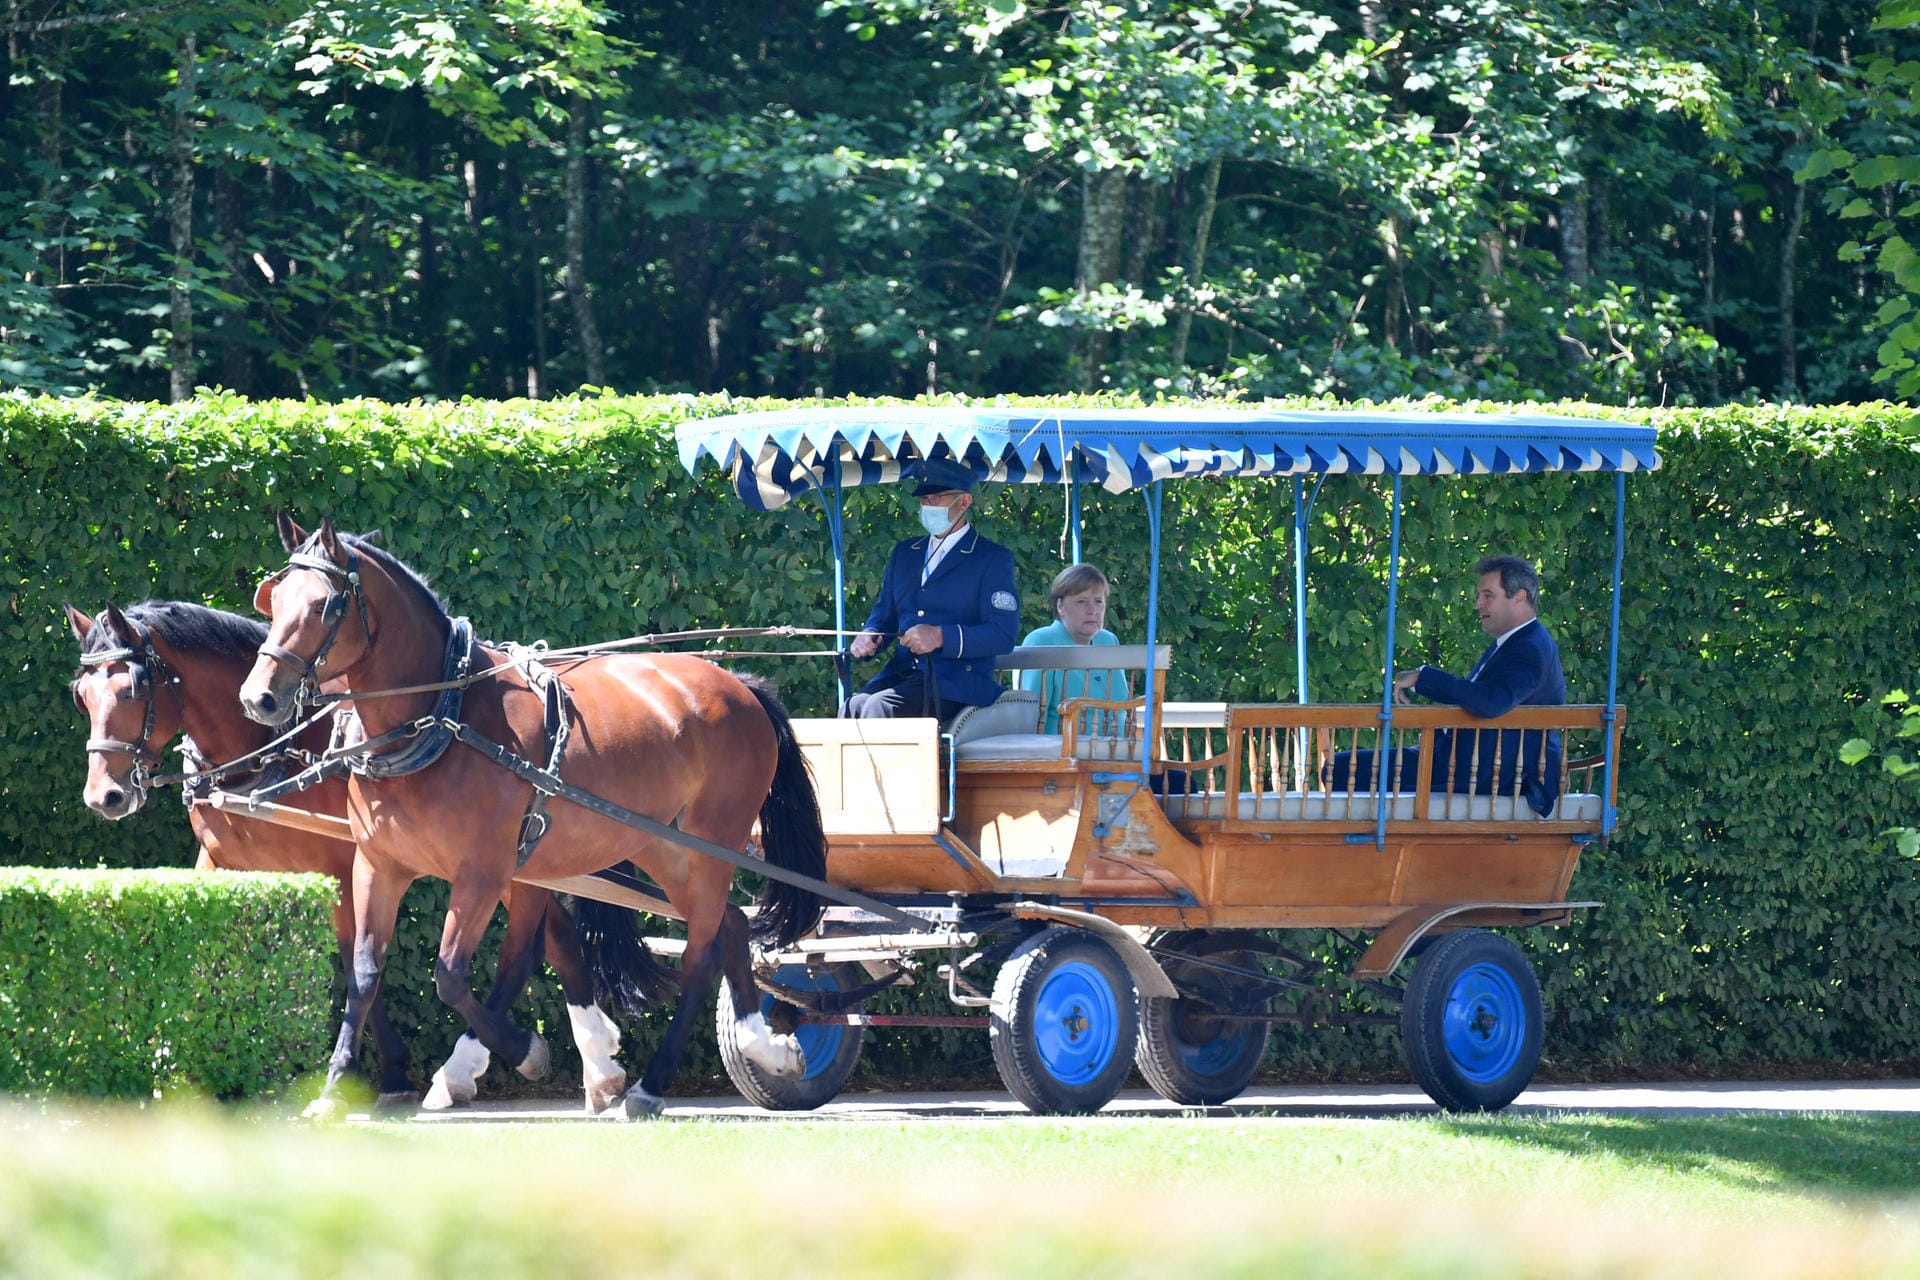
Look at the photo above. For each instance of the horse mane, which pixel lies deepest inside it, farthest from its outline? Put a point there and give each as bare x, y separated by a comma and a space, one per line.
400, 569
191, 628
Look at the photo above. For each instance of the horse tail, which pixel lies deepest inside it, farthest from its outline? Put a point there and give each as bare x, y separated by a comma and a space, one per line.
626, 976
791, 833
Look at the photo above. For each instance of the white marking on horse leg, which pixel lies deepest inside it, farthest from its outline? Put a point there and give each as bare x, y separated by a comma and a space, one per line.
776, 1055
598, 1039
538, 1060
456, 1082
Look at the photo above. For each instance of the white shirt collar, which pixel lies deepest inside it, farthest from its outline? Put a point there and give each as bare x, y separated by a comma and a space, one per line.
1508, 635
937, 548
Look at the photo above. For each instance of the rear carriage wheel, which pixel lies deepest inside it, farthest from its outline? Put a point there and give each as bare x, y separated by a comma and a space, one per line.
1188, 1052
1064, 1022
1471, 1022
832, 1048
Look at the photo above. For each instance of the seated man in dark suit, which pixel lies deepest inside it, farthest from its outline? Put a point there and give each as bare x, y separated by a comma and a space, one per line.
1520, 668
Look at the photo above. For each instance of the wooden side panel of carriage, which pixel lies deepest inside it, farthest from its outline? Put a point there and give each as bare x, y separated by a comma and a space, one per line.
881, 791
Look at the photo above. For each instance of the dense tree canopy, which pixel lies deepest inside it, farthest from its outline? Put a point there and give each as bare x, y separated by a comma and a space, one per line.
503, 197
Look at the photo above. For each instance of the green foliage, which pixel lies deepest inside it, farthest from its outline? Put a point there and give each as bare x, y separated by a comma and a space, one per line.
131, 984
1753, 908
1508, 200
1895, 765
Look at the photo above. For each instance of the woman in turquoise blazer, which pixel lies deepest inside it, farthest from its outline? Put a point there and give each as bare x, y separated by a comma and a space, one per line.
1079, 597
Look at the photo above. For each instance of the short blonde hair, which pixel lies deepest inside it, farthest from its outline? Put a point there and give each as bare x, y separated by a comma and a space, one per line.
1071, 581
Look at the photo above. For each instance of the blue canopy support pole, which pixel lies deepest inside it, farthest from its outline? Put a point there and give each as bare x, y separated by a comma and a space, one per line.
1073, 507
1383, 756
1149, 744
1301, 507
836, 530
1608, 816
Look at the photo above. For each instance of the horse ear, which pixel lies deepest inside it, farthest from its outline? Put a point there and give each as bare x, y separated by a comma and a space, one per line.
81, 623
118, 624
263, 598
291, 534
330, 540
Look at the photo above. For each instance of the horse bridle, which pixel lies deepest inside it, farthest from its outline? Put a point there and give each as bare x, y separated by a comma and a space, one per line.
332, 614
143, 663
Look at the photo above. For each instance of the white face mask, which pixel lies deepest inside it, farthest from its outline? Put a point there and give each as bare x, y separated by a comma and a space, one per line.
935, 519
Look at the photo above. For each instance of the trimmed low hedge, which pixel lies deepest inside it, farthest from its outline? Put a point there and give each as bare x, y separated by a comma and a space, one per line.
1754, 910
132, 983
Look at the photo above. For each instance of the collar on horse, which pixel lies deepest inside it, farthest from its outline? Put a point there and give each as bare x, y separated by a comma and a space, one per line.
426, 739
144, 665
332, 614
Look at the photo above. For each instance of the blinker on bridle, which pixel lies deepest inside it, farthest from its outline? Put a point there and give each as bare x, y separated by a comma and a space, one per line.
332, 614
142, 664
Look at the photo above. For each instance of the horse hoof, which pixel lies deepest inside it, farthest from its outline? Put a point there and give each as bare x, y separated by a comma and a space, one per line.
538, 1061
444, 1096
602, 1094
396, 1100
638, 1104
779, 1056
325, 1109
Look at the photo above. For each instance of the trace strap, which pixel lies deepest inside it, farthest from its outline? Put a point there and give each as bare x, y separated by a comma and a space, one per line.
547, 782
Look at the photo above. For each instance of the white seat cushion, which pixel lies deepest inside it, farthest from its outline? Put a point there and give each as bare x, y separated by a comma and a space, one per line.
1011, 746
1317, 806
1015, 712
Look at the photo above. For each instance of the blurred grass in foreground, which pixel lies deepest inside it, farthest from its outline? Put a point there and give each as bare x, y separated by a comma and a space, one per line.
185, 1192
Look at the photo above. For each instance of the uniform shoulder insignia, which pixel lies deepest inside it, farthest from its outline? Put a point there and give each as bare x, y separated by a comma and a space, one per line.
1005, 600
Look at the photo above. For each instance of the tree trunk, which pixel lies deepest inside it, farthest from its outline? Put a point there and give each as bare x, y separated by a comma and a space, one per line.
584, 324
1789, 254
1196, 262
1394, 300
1103, 215
1711, 286
181, 371
1576, 261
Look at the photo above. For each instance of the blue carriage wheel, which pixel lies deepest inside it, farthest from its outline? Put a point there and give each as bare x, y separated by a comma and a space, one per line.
1484, 1025
1076, 1023
820, 1041
1215, 1055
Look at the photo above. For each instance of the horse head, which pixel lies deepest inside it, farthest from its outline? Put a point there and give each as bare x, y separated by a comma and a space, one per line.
118, 690
307, 605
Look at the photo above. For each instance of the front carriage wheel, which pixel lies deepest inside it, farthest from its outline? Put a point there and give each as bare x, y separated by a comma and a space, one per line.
1188, 1052
1064, 1022
1471, 1022
832, 1048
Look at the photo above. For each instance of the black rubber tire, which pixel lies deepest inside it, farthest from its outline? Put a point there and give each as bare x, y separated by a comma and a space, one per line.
1064, 1022
1471, 1022
1187, 1056
833, 1050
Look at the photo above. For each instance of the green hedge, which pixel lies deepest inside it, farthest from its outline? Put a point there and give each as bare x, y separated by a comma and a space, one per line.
1754, 913
128, 983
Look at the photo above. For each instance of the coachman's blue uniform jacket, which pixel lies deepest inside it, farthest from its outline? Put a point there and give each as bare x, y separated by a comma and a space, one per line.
971, 597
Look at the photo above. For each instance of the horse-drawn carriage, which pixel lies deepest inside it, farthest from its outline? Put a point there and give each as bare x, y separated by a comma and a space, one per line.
1097, 915
1131, 921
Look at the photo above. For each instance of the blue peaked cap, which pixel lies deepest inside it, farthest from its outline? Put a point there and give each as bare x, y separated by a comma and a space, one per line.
939, 475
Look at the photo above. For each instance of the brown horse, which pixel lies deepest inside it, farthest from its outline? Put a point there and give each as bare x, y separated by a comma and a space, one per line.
669, 736
160, 669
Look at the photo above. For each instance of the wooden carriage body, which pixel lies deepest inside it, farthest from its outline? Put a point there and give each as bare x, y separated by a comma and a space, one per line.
1243, 829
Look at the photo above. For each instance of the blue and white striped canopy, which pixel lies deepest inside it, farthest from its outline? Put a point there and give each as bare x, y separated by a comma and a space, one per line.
777, 455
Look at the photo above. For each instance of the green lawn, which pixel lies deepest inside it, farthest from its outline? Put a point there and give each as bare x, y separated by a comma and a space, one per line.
184, 1192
